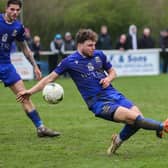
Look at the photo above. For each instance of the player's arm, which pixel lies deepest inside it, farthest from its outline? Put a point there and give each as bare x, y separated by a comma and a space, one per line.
109, 78
21, 96
111, 74
40, 85
29, 54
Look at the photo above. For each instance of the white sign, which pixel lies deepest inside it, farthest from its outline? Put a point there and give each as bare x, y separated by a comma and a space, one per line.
22, 65
134, 62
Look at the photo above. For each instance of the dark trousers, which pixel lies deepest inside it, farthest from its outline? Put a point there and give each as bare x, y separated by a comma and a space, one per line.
164, 56
52, 62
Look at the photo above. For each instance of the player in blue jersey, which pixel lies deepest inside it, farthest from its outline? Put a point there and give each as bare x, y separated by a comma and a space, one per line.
10, 30
93, 74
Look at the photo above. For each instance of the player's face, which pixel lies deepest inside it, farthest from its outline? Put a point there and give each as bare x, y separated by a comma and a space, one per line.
88, 47
12, 12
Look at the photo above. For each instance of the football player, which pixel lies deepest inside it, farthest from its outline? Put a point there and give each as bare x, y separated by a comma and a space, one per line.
11, 29
93, 74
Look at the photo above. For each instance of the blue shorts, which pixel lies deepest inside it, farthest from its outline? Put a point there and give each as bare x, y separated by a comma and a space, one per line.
8, 74
106, 109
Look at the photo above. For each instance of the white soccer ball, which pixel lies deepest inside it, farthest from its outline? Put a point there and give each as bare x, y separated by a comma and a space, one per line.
53, 93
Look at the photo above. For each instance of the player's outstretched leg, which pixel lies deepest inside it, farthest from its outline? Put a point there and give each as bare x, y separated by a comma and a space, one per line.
150, 124
129, 130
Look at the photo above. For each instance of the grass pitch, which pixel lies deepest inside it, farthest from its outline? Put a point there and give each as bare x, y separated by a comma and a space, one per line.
84, 138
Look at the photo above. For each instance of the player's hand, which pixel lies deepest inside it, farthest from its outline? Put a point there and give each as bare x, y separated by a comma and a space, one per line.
37, 73
23, 95
105, 82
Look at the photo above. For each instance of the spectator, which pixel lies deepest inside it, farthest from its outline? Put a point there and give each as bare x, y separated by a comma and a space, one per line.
36, 48
69, 43
122, 43
132, 37
163, 46
104, 40
28, 37
56, 48
146, 41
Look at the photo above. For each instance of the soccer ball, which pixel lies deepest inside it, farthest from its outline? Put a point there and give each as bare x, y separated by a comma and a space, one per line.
53, 93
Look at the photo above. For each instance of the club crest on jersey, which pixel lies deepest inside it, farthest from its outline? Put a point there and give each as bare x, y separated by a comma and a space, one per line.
14, 33
97, 59
4, 37
90, 66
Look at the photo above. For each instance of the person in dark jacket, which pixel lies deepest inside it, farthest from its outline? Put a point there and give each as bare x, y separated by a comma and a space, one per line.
122, 43
69, 43
56, 48
146, 41
163, 45
104, 40
36, 48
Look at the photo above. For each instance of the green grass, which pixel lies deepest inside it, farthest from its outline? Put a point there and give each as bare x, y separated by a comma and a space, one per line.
85, 138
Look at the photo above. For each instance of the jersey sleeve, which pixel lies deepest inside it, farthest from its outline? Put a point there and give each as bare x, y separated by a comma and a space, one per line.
106, 64
62, 66
21, 34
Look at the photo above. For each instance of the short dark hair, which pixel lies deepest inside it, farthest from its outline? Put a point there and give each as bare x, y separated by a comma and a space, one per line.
85, 34
15, 2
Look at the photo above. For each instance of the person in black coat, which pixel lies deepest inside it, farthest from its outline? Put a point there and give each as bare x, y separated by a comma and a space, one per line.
122, 43
163, 45
36, 48
146, 41
104, 40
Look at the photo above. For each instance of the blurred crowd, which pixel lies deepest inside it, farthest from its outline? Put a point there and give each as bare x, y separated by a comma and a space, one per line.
61, 44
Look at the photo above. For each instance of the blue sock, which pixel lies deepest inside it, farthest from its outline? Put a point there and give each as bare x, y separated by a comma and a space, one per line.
34, 116
147, 123
128, 131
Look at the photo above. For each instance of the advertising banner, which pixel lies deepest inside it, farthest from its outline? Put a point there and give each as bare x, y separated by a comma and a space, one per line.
135, 62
